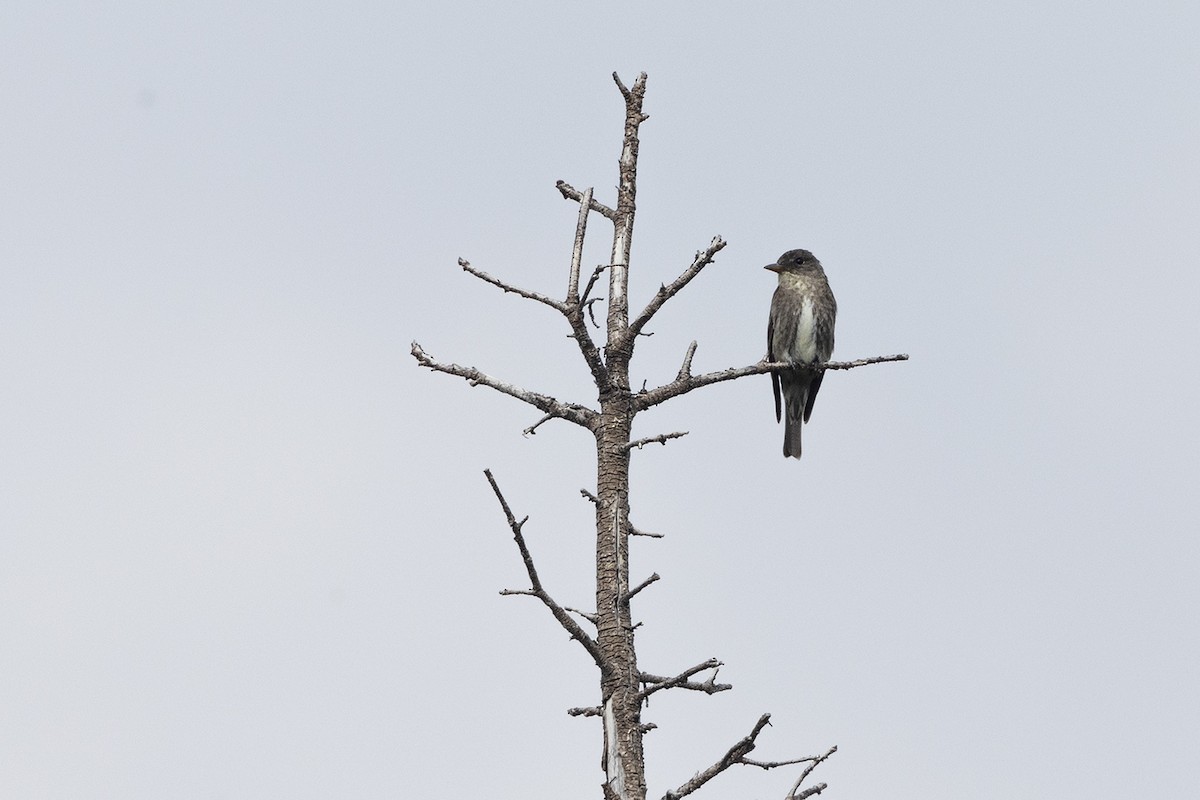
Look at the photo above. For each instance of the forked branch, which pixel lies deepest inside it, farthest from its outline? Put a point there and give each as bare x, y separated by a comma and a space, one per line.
737, 755
655, 683
571, 308
537, 590
574, 307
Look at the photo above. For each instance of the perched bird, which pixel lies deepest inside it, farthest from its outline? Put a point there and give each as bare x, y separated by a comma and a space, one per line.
800, 331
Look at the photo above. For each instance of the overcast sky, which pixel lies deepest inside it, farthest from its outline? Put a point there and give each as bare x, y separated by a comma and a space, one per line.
246, 546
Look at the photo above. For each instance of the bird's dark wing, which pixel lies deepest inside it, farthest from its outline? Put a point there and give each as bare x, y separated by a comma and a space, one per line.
771, 357
823, 330
813, 386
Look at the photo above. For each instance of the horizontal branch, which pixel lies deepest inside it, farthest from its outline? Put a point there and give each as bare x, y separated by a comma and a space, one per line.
636, 532
569, 192
662, 439
703, 259
688, 382
580, 415
537, 590
681, 681
557, 305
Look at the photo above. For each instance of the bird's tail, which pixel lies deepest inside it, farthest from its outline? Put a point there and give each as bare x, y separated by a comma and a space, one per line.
792, 425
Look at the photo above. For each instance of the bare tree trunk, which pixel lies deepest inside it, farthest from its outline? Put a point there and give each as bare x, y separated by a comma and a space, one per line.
623, 763
624, 688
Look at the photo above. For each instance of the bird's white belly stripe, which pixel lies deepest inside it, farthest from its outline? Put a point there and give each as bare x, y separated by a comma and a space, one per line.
806, 340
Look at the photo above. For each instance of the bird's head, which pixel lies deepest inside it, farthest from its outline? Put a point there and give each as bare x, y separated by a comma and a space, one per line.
794, 261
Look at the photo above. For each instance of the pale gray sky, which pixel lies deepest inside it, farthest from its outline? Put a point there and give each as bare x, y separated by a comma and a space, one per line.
246, 547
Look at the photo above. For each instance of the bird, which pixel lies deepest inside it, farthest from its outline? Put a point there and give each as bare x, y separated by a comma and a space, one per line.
799, 332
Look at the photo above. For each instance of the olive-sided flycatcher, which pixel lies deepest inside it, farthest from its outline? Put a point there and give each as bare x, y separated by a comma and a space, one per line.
800, 331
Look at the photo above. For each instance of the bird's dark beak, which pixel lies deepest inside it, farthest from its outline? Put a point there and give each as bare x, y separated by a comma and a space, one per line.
773, 267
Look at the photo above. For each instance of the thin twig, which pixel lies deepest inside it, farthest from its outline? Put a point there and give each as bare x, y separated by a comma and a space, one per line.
596, 273
557, 305
590, 711
629, 595
662, 439
590, 497
580, 415
532, 429
635, 532
590, 306
644, 400
537, 590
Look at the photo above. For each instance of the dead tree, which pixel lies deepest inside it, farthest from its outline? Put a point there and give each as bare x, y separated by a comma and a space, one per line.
624, 687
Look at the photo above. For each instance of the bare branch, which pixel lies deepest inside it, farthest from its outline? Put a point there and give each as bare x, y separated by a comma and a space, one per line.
532, 429
557, 305
813, 761
569, 192
589, 617
633, 95
733, 756
573, 308
644, 400
596, 273
685, 371
585, 206
635, 532
590, 306
862, 362
812, 790
642, 585
587, 347
537, 590
591, 498
590, 711
665, 293
662, 439
572, 412
680, 681
809, 792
